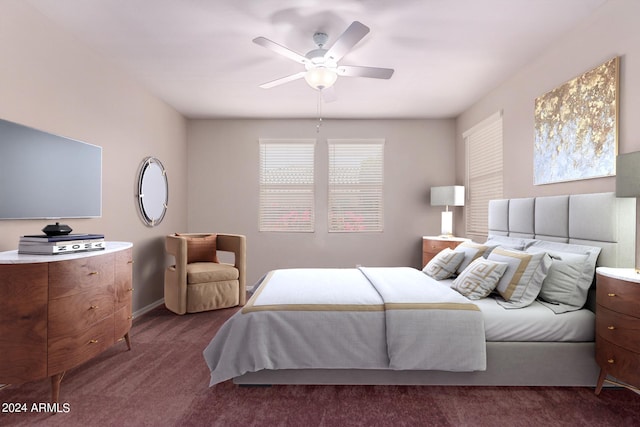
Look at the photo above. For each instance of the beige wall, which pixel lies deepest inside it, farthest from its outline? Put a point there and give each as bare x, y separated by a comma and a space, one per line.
223, 190
50, 81
611, 31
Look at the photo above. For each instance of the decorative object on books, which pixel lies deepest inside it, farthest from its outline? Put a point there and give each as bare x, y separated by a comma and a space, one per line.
153, 191
576, 128
56, 229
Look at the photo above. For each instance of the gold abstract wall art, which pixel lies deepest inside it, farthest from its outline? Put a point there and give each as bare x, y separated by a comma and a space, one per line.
576, 128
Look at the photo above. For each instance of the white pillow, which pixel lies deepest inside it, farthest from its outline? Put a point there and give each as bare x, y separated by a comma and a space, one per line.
507, 242
479, 279
570, 276
472, 251
444, 264
521, 283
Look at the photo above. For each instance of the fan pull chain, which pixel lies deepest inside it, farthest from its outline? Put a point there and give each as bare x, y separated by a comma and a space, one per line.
319, 109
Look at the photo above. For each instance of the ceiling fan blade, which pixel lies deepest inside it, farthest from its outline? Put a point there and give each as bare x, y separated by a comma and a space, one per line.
277, 48
283, 80
372, 72
346, 41
329, 94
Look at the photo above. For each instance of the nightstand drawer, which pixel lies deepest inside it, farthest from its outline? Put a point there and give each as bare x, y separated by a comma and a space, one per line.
618, 295
432, 245
617, 361
435, 246
619, 329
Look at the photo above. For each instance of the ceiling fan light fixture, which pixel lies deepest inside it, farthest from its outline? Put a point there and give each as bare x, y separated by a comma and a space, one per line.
320, 77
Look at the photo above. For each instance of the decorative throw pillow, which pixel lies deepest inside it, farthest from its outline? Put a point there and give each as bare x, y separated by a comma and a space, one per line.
480, 278
444, 264
570, 276
471, 252
521, 283
201, 248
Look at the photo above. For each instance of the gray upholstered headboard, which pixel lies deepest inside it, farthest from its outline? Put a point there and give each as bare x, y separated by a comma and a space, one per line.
599, 219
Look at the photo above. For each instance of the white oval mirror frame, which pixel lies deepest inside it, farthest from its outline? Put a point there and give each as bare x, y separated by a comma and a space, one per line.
153, 191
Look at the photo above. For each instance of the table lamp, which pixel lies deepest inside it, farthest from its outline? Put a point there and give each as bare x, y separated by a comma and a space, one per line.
452, 195
628, 185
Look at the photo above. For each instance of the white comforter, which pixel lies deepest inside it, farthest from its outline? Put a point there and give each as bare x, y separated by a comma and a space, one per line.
367, 318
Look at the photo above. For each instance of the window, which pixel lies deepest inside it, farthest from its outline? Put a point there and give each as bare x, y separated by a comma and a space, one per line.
356, 185
287, 185
484, 172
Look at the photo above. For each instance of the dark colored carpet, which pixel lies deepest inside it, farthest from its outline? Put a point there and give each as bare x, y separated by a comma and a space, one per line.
163, 381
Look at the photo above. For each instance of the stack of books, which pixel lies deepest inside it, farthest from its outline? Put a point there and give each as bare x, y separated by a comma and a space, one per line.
63, 244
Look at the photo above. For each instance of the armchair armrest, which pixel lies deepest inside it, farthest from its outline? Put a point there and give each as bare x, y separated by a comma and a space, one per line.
175, 287
237, 244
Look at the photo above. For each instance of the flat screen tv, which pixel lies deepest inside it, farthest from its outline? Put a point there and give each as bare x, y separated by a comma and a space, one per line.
45, 176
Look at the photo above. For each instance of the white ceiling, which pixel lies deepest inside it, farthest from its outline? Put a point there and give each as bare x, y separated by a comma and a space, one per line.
198, 55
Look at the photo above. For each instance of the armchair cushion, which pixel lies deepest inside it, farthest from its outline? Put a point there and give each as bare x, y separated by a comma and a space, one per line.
204, 272
201, 248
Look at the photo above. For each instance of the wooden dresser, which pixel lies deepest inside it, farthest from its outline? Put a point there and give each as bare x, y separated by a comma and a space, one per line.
58, 311
431, 245
618, 326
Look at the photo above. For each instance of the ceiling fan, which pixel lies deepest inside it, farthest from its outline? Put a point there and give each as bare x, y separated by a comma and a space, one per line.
321, 64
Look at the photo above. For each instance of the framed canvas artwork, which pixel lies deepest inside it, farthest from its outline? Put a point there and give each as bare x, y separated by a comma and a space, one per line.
576, 128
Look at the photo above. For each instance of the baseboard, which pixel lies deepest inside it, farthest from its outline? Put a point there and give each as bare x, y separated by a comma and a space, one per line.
147, 308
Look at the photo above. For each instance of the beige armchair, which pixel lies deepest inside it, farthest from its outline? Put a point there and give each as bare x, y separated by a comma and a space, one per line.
197, 281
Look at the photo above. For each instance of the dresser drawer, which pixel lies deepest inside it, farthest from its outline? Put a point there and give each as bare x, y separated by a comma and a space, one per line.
123, 321
75, 276
617, 361
618, 295
75, 313
68, 351
123, 275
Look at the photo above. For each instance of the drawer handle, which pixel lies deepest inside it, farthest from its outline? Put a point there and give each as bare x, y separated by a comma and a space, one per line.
610, 361
93, 307
611, 295
93, 273
130, 261
130, 289
611, 328
129, 317
93, 341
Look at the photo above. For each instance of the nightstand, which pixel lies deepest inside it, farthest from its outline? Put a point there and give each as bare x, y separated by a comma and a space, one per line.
618, 326
431, 245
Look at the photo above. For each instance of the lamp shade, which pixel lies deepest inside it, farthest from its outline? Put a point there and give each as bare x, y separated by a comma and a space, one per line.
452, 195
320, 77
628, 175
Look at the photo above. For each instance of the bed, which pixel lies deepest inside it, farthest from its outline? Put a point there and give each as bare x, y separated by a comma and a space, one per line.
283, 337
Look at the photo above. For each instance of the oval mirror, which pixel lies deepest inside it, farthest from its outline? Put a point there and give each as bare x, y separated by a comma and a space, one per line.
153, 191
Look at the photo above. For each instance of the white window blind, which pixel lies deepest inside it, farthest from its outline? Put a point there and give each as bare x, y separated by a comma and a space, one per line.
356, 178
287, 185
484, 173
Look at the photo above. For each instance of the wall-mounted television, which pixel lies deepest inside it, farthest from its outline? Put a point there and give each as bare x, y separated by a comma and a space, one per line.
45, 176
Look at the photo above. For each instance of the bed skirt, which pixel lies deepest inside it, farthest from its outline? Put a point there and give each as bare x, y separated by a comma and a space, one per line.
508, 364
